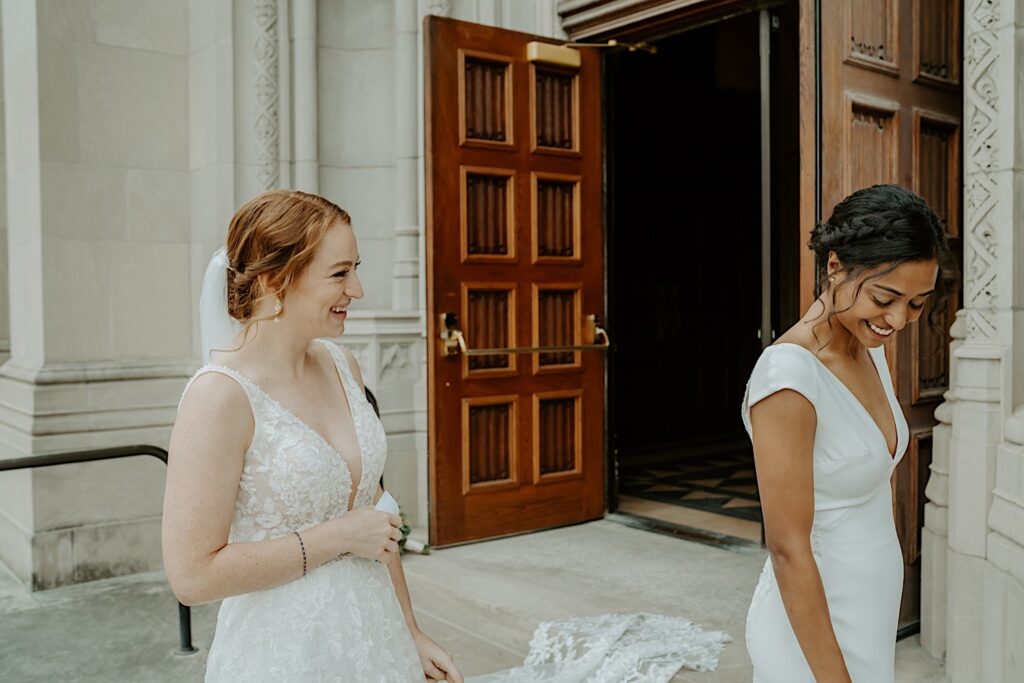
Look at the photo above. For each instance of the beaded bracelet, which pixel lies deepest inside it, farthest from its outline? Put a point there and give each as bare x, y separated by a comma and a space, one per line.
302, 547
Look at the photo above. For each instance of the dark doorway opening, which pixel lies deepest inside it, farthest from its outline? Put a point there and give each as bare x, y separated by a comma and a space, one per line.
685, 280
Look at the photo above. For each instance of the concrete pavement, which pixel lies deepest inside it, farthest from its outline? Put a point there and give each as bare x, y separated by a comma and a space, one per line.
482, 601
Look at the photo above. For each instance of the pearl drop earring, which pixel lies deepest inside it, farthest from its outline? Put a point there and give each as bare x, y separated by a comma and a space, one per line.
277, 309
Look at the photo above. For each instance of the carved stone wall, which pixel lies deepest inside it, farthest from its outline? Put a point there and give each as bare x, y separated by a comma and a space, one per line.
97, 186
265, 87
973, 571
982, 145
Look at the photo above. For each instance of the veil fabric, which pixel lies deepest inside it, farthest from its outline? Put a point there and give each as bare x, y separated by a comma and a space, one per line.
217, 328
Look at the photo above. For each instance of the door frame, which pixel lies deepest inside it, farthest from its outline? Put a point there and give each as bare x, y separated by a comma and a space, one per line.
632, 24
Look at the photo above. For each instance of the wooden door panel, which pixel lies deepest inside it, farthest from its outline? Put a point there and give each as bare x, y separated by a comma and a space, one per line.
488, 214
554, 110
872, 126
485, 100
872, 35
557, 312
891, 112
489, 456
936, 25
515, 250
489, 312
558, 436
555, 202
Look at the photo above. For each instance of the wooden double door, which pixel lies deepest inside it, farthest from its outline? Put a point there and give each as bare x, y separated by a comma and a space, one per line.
515, 245
514, 239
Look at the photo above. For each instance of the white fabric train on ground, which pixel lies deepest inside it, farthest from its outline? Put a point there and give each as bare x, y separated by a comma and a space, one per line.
614, 648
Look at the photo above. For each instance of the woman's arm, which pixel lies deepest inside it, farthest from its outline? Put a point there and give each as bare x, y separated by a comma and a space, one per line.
438, 664
211, 434
783, 427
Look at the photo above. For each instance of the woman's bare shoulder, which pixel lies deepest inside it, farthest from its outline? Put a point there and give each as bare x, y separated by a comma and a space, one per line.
801, 334
215, 396
353, 364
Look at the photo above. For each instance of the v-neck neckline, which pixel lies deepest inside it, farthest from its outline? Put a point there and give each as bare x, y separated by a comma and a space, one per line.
885, 390
356, 486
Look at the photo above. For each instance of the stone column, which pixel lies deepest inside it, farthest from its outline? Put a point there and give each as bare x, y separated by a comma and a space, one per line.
212, 163
935, 534
97, 109
405, 289
5, 327
304, 96
257, 82
984, 380
1002, 624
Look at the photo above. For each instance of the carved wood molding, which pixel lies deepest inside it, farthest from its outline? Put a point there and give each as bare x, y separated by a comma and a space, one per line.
624, 18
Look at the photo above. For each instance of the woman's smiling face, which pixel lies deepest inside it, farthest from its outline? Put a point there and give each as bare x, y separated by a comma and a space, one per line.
320, 297
886, 303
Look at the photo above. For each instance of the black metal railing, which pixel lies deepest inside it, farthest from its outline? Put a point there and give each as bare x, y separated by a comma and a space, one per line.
94, 455
185, 646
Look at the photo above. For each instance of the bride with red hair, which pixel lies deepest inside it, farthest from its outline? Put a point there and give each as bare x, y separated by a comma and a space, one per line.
275, 459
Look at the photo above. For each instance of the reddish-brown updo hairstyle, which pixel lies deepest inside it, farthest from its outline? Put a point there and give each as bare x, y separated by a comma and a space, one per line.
274, 235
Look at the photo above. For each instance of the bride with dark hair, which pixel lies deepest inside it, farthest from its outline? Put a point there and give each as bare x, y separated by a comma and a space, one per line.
828, 433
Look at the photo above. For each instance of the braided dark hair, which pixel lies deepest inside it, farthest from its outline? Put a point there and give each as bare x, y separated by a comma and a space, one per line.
884, 225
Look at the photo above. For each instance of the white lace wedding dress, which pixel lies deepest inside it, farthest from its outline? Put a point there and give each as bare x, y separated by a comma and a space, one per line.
614, 648
342, 621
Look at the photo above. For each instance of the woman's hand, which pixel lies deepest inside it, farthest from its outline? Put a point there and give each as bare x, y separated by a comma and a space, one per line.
438, 664
371, 534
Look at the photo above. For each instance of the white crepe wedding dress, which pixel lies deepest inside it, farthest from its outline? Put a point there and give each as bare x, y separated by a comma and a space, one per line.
853, 536
342, 621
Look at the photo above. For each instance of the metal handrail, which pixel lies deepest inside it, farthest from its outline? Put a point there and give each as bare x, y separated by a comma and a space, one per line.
94, 455
453, 340
599, 332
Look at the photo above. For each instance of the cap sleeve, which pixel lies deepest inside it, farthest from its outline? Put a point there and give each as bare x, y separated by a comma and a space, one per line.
784, 366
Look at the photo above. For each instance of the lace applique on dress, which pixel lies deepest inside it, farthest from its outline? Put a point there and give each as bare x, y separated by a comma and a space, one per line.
615, 648
342, 621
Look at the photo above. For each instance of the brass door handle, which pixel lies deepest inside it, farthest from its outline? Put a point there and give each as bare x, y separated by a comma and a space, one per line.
453, 341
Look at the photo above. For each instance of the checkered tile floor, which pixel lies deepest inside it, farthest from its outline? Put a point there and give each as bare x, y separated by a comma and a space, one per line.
722, 483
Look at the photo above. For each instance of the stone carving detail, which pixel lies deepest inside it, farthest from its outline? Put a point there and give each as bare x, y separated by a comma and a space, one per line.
396, 362
439, 8
266, 89
981, 196
986, 13
363, 359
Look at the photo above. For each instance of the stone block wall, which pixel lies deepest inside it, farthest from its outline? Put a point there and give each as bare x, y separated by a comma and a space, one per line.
96, 101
